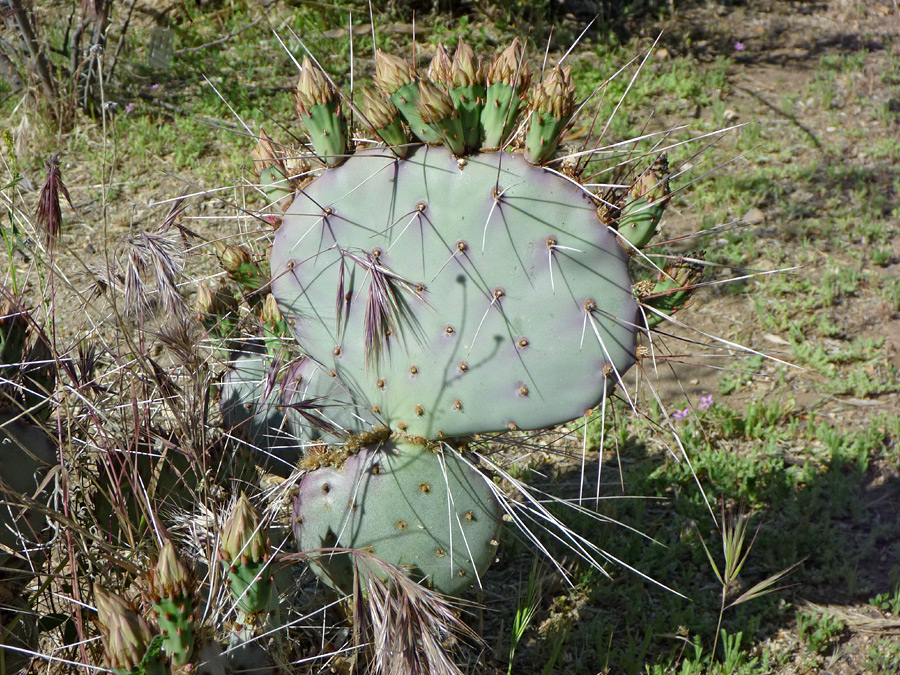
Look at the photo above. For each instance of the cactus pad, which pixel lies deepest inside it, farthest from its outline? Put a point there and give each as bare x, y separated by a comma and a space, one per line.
251, 408
302, 406
320, 408
456, 296
428, 512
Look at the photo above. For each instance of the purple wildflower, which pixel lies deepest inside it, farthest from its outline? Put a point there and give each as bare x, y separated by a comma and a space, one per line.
680, 414
706, 401
739, 46
129, 107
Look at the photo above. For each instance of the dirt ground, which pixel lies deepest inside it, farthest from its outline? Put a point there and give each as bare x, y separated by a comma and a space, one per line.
781, 44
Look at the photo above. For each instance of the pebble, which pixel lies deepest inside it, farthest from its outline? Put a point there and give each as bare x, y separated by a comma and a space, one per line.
754, 216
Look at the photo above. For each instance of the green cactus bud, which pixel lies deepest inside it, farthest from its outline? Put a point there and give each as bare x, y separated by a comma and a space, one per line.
392, 72
243, 537
383, 118
241, 267
217, 311
434, 105
265, 154
645, 203
245, 552
171, 575
127, 638
205, 299
270, 170
552, 105
274, 325
507, 78
672, 290
397, 79
440, 68
270, 314
508, 67
319, 106
437, 110
467, 91
465, 70
233, 257
313, 88
171, 589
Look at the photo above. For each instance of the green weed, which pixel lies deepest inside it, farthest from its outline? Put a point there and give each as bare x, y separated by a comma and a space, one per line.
734, 554
528, 605
742, 374
883, 656
819, 630
888, 602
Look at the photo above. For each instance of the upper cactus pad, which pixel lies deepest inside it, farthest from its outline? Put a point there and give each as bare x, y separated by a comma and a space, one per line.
456, 296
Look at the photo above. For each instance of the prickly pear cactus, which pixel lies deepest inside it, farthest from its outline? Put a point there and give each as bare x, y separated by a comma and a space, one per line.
246, 555
27, 367
456, 280
251, 409
430, 513
320, 408
645, 204
129, 643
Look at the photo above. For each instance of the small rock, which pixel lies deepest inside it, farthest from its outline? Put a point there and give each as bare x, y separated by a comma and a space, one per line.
802, 196
662, 53
775, 339
730, 116
754, 216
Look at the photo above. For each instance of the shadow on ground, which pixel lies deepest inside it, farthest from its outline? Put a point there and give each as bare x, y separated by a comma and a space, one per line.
827, 501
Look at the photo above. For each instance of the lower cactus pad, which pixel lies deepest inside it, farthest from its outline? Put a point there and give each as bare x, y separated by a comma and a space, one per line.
427, 512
